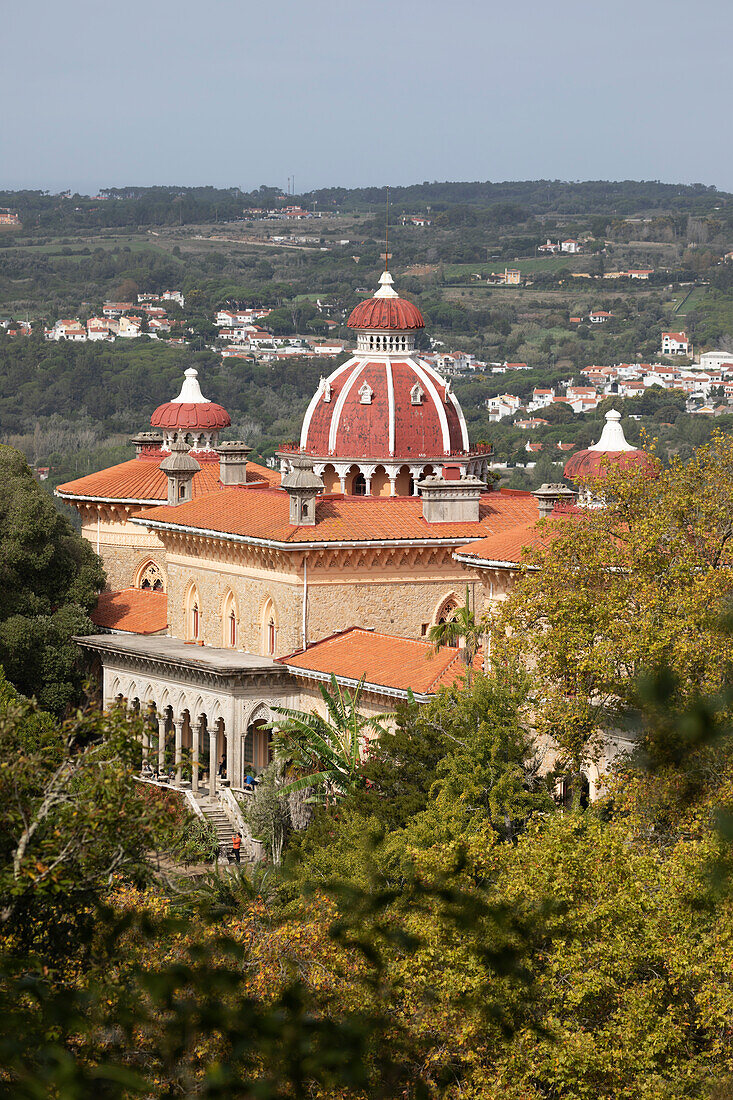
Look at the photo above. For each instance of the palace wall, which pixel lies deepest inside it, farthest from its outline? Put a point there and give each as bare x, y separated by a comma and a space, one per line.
382, 592
123, 547
407, 608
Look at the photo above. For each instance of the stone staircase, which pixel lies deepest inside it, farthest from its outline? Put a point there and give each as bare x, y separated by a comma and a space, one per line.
214, 813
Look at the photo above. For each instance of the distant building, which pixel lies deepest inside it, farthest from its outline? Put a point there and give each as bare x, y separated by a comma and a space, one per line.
8, 217
549, 247
675, 343
599, 316
68, 330
570, 246
710, 360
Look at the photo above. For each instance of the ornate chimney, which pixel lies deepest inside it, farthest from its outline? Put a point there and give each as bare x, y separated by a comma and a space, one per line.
548, 495
233, 463
302, 486
454, 500
147, 443
179, 467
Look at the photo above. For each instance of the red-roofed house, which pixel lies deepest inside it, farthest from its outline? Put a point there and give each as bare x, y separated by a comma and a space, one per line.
675, 343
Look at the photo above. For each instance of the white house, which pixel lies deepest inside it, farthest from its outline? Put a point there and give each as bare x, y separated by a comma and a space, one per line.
570, 245
710, 360
541, 399
505, 405
675, 343
68, 330
98, 329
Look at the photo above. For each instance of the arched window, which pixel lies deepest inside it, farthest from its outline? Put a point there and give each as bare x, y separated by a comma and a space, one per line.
192, 615
230, 630
446, 612
358, 487
150, 578
269, 628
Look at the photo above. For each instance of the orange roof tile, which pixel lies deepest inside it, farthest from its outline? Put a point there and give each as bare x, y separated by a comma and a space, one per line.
140, 480
384, 660
503, 549
133, 610
263, 515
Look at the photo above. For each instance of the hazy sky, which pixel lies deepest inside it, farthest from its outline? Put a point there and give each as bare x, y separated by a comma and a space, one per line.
337, 92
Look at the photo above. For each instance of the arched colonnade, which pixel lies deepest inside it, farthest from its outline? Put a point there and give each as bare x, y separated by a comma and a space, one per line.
187, 733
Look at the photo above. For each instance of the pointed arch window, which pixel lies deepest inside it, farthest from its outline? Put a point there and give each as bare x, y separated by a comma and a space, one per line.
150, 578
192, 616
230, 626
269, 629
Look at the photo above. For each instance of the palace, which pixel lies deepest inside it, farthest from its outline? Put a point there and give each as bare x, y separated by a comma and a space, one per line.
233, 588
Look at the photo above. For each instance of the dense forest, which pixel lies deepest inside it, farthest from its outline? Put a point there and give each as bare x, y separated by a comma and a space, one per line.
134, 206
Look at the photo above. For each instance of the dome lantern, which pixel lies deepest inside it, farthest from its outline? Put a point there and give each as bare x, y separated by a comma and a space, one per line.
385, 323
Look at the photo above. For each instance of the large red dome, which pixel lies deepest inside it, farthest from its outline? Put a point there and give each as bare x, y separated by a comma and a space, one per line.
386, 408
386, 313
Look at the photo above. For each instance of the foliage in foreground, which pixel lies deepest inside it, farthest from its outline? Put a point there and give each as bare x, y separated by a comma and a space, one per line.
50, 580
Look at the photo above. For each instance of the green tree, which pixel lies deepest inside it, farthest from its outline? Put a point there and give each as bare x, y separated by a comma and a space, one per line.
51, 579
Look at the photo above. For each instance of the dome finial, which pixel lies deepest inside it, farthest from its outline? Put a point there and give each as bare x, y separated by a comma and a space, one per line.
386, 289
612, 436
190, 390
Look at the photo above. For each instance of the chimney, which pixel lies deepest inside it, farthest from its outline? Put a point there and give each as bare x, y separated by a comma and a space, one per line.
233, 463
549, 495
302, 486
179, 467
147, 443
451, 501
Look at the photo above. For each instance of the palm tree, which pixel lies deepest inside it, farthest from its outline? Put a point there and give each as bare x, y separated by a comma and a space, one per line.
461, 626
325, 753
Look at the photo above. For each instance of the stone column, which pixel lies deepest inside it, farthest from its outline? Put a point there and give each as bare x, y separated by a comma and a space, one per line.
416, 474
161, 743
196, 730
179, 750
146, 739
233, 755
392, 484
212, 760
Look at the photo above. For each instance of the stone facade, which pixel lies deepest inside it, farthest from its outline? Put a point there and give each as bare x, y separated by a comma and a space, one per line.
398, 592
123, 547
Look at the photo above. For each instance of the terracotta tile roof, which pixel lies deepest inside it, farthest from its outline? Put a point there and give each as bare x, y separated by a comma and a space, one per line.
133, 610
385, 660
503, 548
140, 479
263, 514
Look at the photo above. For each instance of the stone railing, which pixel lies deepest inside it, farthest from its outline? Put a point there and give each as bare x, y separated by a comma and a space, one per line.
254, 849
